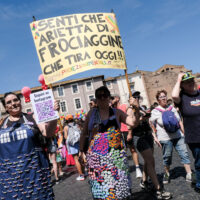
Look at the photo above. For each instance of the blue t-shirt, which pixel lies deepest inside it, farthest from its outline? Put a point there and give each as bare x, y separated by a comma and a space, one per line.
190, 110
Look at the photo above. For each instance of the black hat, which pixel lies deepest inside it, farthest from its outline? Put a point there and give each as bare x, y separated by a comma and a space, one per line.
136, 94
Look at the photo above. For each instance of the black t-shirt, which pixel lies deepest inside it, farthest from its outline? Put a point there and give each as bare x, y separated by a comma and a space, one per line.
142, 129
190, 111
38, 135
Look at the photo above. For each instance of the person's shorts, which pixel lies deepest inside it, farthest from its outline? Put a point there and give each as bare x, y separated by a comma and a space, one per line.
127, 143
179, 145
51, 148
72, 150
144, 142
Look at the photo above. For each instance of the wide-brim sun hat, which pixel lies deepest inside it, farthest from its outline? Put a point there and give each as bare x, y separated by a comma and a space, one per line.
187, 76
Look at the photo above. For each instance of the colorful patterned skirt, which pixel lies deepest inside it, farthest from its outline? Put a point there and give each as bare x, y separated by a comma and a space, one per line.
108, 166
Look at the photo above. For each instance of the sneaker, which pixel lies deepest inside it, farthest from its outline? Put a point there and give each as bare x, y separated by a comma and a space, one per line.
61, 174
57, 182
189, 177
138, 173
162, 194
166, 178
80, 178
196, 189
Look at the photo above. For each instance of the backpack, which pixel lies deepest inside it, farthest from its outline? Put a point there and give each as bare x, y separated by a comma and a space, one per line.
170, 122
73, 134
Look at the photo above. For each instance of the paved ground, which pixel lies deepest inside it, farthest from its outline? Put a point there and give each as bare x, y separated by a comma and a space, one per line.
70, 189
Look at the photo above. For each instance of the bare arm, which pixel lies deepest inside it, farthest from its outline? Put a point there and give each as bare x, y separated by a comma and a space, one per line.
176, 90
85, 134
131, 118
129, 136
154, 134
65, 131
181, 127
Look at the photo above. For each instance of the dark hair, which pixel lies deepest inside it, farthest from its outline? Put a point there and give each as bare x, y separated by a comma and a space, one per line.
152, 107
155, 104
144, 107
94, 100
169, 100
159, 92
70, 120
6, 94
102, 88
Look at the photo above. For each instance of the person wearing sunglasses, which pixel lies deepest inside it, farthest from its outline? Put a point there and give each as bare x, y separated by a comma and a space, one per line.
186, 96
169, 134
143, 141
24, 167
106, 155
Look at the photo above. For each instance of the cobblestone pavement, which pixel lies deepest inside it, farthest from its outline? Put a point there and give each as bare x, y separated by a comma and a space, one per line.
70, 189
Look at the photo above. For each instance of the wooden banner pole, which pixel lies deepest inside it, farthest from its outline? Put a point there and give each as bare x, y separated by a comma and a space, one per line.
126, 75
127, 81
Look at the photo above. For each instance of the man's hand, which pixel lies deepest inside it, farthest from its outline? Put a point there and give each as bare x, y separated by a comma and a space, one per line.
56, 105
157, 142
180, 76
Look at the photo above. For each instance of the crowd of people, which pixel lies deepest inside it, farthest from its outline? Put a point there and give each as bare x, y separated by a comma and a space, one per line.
97, 145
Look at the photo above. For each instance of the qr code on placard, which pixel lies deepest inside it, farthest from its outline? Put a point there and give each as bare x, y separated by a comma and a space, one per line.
44, 110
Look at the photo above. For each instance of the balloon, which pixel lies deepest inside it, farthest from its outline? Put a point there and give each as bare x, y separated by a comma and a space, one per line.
26, 91
42, 81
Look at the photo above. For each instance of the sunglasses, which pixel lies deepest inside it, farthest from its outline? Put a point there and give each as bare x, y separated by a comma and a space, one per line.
162, 97
10, 101
104, 95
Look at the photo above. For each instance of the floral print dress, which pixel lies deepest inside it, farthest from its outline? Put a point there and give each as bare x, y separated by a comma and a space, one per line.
107, 160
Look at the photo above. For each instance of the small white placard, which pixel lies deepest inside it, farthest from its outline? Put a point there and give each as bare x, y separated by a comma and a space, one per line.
43, 103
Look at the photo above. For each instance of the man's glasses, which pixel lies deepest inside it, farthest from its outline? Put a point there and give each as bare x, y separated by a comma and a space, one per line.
10, 101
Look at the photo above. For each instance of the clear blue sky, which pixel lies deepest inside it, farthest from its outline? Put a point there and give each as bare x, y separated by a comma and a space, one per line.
154, 33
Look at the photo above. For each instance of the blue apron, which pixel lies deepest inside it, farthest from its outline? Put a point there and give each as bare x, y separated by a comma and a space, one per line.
24, 168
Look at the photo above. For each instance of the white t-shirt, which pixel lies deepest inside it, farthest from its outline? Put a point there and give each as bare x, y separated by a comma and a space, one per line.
156, 119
